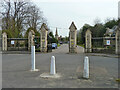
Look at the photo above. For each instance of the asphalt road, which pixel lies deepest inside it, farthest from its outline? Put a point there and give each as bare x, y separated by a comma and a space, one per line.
16, 70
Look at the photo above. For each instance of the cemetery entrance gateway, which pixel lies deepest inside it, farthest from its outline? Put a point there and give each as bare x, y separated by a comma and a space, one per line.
24, 44
102, 44
17, 44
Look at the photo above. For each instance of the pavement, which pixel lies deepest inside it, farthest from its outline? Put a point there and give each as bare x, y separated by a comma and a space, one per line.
16, 70
103, 55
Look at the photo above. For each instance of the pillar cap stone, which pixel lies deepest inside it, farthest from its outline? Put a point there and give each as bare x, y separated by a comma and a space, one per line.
32, 32
72, 25
4, 33
88, 30
44, 26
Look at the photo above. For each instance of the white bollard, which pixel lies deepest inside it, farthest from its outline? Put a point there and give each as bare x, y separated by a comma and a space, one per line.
52, 68
33, 58
86, 68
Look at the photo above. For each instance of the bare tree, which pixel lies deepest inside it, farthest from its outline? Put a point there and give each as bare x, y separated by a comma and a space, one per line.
35, 18
97, 21
17, 16
108, 19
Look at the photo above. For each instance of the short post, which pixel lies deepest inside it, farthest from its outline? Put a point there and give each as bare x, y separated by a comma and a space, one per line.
52, 68
86, 68
33, 59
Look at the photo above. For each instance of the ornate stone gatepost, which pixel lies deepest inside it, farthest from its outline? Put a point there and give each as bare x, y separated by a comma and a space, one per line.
117, 41
31, 36
43, 38
88, 42
4, 41
72, 38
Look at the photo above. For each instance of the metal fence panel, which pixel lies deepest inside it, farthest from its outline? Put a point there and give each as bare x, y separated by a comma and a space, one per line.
37, 43
17, 44
103, 45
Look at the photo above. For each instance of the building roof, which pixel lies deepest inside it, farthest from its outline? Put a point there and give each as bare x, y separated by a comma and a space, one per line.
111, 31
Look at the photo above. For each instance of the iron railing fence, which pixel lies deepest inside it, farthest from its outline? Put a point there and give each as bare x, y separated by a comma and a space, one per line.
0, 44
17, 44
37, 43
103, 45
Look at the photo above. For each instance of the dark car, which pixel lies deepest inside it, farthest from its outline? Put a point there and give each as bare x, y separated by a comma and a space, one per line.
61, 43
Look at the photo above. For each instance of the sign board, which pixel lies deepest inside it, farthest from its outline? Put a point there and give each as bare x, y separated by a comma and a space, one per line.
108, 42
12, 42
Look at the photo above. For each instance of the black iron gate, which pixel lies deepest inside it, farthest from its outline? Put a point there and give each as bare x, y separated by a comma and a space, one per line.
17, 44
37, 43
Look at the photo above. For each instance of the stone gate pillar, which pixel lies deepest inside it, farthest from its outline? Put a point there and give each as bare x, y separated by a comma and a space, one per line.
88, 42
43, 38
117, 41
4, 41
72, 38
31, 36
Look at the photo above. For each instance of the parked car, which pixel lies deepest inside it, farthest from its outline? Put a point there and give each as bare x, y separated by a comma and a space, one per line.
54, 45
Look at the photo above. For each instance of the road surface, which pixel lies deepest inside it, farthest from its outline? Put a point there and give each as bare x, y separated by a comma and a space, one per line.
65, 49
17, 74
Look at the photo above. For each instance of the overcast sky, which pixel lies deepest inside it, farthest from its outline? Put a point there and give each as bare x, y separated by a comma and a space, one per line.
60, 13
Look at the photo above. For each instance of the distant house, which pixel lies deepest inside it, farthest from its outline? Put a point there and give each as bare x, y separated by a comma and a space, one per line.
109, 36
111, 32
59, 39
